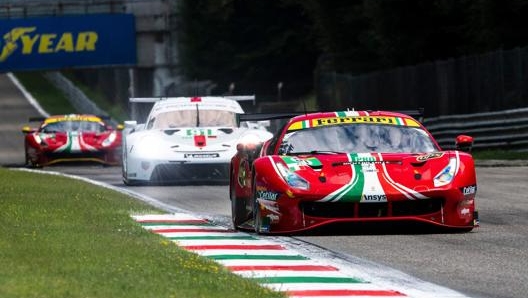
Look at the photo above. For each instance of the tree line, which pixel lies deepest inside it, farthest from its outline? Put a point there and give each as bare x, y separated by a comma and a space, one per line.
258, 44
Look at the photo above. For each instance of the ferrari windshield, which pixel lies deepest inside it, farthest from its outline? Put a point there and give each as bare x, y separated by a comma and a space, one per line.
81, 126
190, 118
358, 138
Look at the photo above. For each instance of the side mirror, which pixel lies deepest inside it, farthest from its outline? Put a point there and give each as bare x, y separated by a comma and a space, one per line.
249, 143
246, 147
26, 129
130, 123
464, 143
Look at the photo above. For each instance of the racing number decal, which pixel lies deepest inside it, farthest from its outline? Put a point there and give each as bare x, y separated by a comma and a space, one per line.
199, 132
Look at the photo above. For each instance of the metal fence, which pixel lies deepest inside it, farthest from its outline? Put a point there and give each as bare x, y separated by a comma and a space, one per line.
481, 83
505, 130
31, 8
78, 99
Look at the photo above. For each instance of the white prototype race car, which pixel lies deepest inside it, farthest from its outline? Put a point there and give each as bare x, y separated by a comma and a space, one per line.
186, 139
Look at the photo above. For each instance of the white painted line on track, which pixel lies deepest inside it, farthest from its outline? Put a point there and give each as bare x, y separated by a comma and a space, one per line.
32, 101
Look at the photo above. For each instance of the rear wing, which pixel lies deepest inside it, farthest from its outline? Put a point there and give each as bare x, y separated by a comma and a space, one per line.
41, 119
267, 116
155, 99
141, 106
418, 113
36, 119
281, 116
274, 120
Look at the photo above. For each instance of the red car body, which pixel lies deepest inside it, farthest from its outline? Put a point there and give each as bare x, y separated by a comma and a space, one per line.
72, 138
353, 166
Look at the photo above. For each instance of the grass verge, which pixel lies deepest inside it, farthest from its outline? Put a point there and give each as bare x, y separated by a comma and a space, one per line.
54, 102
499, 154
117, 111
61, 237
51, 99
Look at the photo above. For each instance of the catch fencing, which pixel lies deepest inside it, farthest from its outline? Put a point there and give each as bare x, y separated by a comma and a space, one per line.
472, 84
507, 129
504, 130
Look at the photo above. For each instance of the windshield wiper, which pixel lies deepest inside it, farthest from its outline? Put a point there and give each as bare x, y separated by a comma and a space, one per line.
197, 116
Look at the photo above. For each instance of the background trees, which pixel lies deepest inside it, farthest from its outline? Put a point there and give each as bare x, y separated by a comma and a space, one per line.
257, 44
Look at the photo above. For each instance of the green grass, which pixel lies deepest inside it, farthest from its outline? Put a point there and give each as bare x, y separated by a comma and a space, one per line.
54, 102
499, 154
50, 98
61, 237
117, 111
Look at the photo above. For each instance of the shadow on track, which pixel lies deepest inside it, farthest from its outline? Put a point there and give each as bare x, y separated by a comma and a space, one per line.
379, 228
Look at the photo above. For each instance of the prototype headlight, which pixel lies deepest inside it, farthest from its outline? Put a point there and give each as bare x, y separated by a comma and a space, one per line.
111, 139
38, 139
291, 178
446, 175
148, 147
248, 142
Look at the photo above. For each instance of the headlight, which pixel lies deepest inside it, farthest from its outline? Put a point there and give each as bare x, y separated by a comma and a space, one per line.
111, 138
148, 147
446, 175
38, 139
291, 178
248, 142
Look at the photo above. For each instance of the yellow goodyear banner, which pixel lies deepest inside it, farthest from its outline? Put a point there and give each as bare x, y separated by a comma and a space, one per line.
67, 42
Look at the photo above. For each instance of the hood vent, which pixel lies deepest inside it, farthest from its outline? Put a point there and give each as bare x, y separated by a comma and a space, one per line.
316, 166
226, 130
170, 132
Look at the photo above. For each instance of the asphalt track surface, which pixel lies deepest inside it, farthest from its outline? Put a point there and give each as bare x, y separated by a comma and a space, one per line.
490, 262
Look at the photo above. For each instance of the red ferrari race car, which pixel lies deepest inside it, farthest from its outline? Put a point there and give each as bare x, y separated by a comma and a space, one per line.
72, 138
352, 166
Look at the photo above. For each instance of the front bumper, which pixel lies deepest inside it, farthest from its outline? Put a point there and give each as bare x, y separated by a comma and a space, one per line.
175, 172
448, 209
106, 157
182, 172
179, 167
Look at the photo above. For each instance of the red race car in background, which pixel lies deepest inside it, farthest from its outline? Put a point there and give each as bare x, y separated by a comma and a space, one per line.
352, 166
72, 138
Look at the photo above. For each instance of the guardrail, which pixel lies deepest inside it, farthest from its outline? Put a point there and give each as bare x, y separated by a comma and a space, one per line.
76, 96
507, 130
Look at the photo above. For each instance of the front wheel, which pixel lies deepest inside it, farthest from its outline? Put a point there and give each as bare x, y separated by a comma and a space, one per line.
237, 207
257, 215
257, 211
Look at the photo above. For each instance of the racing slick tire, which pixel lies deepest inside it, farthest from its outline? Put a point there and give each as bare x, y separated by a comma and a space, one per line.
124, 171
237, 208
130, 182
257, 217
